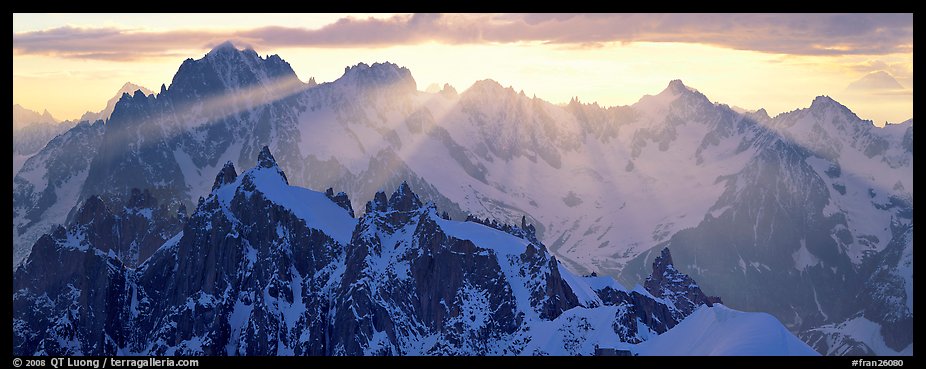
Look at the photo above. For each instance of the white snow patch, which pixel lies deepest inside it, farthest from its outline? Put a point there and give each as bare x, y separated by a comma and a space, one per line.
803, 258
485, 237
587, 297
721, 331
316, 209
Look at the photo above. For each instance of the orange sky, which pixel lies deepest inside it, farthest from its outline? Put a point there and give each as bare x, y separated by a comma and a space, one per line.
70, 64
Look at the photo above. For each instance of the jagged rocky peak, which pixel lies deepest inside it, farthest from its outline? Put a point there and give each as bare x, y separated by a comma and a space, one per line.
379, 203
341, 199
823, 101
226, 67
227, 51
668, 282
380, 75
403, 199
448, 90
677, 86
226, 175
761, 114
842, 117
226, 48
489, 86
265, 158
130, 105
132, 88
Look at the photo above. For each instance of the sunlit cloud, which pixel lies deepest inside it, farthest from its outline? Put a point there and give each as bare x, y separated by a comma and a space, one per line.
796, 34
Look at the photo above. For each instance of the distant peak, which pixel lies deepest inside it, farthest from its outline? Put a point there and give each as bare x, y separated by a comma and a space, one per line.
878, 80
433, 88
448, 91
129, 86
488, 83
386, 75
489, 89
224, 47
228, 50
676, 86
265, 159
824, 101
384, 67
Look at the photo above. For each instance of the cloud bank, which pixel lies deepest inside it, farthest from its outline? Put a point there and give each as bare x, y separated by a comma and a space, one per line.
796, 34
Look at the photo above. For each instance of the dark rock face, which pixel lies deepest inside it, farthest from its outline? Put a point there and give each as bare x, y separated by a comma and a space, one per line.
885, 293
655, 315
404, 199
341, 199
668, 283
886, 297
226, 175
82, 307
249, 275
671, 297
131, 230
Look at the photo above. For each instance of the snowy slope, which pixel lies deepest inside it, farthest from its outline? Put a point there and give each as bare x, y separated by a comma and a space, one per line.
55, 173
721, 331
617, 203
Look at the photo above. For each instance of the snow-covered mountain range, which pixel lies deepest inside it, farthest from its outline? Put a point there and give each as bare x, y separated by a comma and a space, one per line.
31, 131
806, 215
127, 88
264, 268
